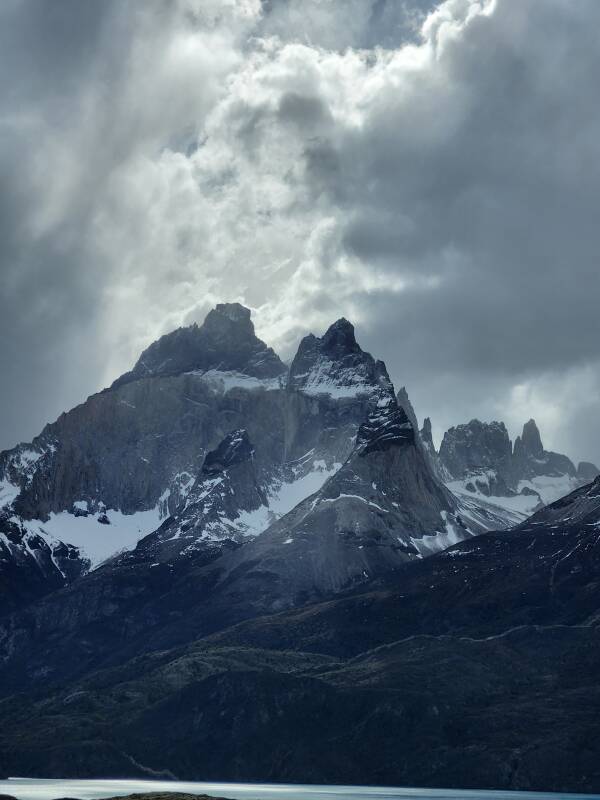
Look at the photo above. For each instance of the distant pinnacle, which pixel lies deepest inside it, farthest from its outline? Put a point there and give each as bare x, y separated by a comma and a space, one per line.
531, 439
426, 433
340, 336
405, 404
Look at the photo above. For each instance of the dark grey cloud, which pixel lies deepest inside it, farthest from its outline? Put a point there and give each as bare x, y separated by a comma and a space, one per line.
48, 353
511, 191
68, 121
435, 181
47, 48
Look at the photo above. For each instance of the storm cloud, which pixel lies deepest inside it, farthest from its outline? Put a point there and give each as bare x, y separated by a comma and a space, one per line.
431, 172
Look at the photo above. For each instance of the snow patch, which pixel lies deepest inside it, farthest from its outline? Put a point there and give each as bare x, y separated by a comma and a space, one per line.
8, 493
521, 504
285, 496
479, 512
95, 541
27, 458
224, 381
441, 540
251, 523
354, 497
505, 511
550, 488
327, 378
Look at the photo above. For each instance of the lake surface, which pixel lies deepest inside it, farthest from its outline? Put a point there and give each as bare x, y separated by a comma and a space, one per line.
41, 789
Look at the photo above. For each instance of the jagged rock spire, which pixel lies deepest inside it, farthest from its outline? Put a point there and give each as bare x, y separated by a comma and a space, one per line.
530, 439
476, 446
339, 339
405, 404
426, 434
336, 365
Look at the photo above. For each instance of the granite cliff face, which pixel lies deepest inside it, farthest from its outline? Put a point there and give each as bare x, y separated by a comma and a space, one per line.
125, 447
480, 451
107, 472
531, 460
381, 509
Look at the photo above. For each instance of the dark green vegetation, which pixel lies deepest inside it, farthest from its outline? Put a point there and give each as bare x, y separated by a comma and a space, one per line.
475, 668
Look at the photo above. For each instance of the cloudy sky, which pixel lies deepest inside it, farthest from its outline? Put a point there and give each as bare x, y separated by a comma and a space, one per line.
430, 171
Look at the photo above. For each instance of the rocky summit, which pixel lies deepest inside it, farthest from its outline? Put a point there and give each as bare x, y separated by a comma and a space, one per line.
226, 342
481, 466
224, 568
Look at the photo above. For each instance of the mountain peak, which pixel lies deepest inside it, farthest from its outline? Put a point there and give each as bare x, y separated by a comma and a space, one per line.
477, 448
236, 312
531, 439
340, 337
226, 341
336, 365
230, 316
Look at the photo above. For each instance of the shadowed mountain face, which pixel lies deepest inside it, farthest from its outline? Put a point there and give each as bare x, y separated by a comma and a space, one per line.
31, 565
380, 510
474, 668
196, 573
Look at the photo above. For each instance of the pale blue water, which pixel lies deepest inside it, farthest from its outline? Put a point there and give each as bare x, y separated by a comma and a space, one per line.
33, 789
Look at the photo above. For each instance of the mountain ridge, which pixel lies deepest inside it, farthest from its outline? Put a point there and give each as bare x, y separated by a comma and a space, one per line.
130, 456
